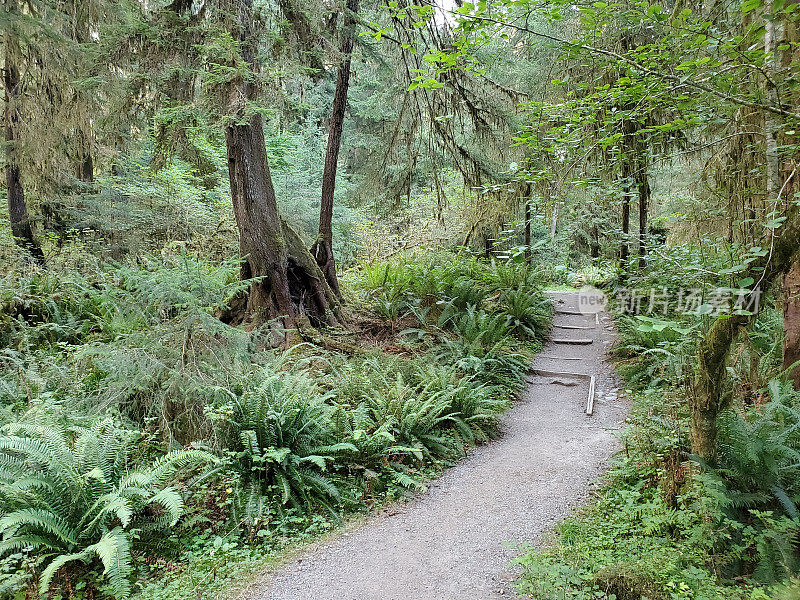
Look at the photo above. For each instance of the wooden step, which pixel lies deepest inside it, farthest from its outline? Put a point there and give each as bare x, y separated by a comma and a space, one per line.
556, 374
546, 373
573, 341
590, 400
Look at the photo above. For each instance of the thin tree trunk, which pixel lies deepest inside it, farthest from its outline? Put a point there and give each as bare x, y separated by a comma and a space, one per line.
626, 214
554, 215
644, 201
84, 169
629, 129
528, 192
21, 227
772, 37
594, 249
323, 246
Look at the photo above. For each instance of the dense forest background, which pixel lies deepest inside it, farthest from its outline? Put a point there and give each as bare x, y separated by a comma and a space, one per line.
269, 265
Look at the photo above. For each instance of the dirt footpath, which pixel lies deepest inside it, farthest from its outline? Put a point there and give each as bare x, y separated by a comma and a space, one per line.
455, 541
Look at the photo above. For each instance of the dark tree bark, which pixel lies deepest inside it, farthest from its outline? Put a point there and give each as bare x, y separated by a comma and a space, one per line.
85, 168
626, 213
323, 246
528, 223
644, 202
21, 227
287, 283
791, 323
629, 159
594, 248
261, 240
788, 185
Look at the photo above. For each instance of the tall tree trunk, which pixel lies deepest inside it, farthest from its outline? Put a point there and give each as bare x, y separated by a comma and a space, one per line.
644, 201
629, 158
626, 214
554, 193
772, 39
781, 179
782, 261
791, 323
528, 192
84, 170
787, 58
287, 284
323, 246
594, 247
261, 240
21, 227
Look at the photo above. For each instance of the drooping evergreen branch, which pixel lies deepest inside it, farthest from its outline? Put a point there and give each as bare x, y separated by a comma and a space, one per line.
636, 65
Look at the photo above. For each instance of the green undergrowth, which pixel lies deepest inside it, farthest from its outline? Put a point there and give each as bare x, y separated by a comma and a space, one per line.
149, 450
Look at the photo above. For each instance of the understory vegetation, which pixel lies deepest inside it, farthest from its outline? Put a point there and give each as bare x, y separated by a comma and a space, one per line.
143, 437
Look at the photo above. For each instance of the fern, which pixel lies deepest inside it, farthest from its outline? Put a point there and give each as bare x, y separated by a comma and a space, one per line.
758, 476
283, 442
73, 496
529, 314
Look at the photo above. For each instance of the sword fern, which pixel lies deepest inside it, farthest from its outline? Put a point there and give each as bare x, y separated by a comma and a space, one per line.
75, 496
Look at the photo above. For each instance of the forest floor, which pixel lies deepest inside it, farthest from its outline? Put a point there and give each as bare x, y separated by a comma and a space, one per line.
457, 541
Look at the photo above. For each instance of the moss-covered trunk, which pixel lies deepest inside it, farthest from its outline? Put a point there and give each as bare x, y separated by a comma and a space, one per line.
708, 396
707, 399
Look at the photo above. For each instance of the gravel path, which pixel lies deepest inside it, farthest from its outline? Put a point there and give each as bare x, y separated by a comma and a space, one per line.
455, 541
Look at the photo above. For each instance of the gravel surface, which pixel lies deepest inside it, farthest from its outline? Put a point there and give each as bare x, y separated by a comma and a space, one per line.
455, 541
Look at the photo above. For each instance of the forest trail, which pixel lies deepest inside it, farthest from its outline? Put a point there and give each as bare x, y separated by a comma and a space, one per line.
455, 542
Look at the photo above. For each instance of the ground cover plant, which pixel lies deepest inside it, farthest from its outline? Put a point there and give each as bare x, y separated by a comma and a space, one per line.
130, 411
